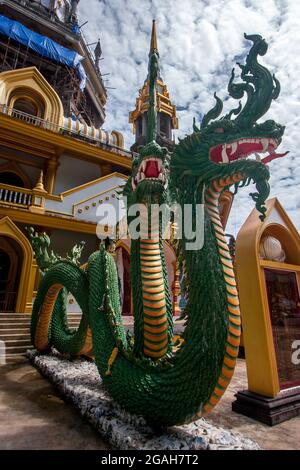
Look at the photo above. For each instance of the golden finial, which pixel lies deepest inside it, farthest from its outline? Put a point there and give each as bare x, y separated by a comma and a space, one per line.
153, 44
40, 183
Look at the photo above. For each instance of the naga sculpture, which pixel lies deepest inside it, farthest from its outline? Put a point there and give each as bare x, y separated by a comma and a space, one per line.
40, 243
148, 374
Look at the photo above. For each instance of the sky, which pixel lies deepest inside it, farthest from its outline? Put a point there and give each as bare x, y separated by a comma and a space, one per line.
199, 43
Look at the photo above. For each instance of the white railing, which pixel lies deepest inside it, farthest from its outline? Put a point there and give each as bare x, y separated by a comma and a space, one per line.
28, 118
12, 195
50, 126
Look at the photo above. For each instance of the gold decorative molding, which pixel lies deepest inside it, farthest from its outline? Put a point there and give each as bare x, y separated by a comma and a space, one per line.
25, 289
27, 138
92, 183
22, 215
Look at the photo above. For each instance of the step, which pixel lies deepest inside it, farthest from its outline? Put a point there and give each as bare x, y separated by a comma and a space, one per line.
17, 344
28, 315
14, 358
28, 320
13, 331
18, 349
18, 318
15, 317
14, 336
25, 326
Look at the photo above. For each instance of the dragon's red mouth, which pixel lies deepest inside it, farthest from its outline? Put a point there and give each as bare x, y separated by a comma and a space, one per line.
240, 149
151, 168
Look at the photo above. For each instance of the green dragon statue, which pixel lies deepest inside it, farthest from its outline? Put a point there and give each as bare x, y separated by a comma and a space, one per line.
169, 383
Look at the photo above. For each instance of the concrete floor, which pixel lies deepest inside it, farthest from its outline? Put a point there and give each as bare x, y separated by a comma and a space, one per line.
33, 416
284, 436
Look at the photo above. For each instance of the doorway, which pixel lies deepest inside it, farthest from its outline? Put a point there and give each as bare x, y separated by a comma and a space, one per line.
10, 264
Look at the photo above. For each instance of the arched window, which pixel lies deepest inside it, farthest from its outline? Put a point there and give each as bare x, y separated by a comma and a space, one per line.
26, 100
12, 174
26, 106
8, 177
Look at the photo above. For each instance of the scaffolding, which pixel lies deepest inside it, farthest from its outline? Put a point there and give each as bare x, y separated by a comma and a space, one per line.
62, 78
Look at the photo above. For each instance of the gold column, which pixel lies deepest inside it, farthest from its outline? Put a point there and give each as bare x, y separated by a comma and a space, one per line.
30, 286
52, 166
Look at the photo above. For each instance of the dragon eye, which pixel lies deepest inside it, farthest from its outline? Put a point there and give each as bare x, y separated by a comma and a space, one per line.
220, 130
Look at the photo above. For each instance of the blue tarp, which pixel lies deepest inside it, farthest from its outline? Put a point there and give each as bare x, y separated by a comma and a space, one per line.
43, 45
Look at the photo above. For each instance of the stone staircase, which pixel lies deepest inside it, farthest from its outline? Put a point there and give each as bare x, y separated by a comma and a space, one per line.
15, 334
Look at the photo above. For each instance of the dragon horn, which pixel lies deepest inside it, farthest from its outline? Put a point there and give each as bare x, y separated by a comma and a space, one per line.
195, 128
213, 113
258, 83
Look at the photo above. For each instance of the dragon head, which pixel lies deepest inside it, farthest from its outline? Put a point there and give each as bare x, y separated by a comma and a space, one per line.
149, 177
223, 147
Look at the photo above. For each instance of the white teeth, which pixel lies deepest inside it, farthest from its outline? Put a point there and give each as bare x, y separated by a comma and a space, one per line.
257, 158
265, 144
233, 148
133, 184
143, 166
142, 177
225, 158
160, 176
159, 165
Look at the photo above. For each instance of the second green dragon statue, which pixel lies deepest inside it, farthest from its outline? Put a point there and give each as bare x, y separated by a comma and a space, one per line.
149, 376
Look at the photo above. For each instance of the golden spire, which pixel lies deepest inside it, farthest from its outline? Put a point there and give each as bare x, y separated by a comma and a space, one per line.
153, 44
40, 183
164, 104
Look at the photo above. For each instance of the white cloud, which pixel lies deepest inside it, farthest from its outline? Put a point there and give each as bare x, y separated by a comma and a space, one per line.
199, 42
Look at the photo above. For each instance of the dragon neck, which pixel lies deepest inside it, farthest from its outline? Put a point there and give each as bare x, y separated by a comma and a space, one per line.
212, 196
152, 305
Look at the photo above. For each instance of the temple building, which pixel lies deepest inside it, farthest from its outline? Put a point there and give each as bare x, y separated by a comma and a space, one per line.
57, 165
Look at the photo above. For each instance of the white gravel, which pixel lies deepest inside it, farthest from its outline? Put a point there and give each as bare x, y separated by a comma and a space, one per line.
78, 381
